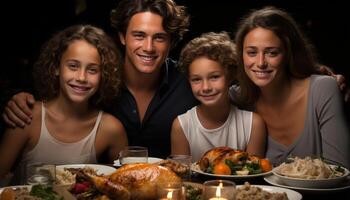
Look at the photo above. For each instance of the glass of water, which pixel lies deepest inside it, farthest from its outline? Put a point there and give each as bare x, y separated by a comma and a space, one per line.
133, 154
40, 173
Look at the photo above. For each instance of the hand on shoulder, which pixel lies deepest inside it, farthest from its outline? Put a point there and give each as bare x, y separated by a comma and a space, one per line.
18, 111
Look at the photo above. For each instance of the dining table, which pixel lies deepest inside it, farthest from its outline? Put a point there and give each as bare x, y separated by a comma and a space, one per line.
309, 194
319, 194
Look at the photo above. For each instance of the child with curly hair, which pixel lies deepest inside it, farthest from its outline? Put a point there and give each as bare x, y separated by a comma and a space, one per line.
209, 62
76, 75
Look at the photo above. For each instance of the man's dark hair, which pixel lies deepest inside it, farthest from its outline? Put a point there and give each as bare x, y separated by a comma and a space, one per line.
175, 18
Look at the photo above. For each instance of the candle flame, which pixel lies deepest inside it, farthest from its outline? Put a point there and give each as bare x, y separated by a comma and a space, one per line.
218, 190
169, 195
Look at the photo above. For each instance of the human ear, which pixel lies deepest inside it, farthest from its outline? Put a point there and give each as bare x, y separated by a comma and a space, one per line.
57, 72
121, 38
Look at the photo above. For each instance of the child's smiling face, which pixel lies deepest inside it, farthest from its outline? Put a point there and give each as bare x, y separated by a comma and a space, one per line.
208, 81
80, 71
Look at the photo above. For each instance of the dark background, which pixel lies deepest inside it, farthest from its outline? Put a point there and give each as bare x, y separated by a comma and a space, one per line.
26, 25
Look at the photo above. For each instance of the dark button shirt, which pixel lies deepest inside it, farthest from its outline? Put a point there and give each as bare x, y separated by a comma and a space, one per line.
173, 97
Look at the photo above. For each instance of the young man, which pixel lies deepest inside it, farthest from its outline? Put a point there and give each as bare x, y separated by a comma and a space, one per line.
154, 91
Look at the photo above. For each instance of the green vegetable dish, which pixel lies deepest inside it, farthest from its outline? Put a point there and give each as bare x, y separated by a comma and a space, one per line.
45, 192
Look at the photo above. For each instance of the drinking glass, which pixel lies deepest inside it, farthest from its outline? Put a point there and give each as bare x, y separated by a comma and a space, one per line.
40, 173
133, 154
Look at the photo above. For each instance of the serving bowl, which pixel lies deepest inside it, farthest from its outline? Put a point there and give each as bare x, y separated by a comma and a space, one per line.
313, 183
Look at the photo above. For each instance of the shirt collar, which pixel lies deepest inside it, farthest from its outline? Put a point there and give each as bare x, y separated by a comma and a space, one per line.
165, 71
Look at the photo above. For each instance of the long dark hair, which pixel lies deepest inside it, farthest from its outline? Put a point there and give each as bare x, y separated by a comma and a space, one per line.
300, 56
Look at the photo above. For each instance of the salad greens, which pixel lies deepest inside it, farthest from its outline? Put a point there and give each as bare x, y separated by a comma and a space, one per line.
193, 193
45, 192
252, 167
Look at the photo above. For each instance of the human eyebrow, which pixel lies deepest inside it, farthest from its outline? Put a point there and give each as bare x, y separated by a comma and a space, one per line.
250, 47
273, 49
137, 33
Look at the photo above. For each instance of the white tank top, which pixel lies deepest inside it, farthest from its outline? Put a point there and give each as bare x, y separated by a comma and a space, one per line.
52, 151
234, 133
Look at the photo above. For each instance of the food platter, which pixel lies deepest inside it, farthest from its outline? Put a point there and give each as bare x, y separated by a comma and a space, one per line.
276, 181
100, 169
195, 168
291, 194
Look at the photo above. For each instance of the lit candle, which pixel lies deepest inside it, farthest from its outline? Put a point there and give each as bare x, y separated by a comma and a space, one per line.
169, 195
217, 198
218, 193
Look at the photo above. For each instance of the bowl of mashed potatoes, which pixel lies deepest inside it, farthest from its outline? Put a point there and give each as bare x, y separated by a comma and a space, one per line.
311, 173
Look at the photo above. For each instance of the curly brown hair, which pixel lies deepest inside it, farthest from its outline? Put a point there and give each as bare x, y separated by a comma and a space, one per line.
175, 18
44, 71
216, 46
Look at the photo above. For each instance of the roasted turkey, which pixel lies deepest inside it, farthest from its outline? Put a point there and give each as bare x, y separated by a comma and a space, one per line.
228, 161
220, 154
134, 181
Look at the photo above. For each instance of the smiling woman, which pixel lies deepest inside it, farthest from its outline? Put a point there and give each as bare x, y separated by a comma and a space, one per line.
278, 77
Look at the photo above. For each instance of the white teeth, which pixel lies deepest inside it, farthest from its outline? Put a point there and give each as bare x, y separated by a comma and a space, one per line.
147, 58
261, 74
80, 88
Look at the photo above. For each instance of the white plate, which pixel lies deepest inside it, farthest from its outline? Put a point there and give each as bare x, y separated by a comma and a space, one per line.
100, 169
291, 194
150, 160
274, 180
17, 186
195, 168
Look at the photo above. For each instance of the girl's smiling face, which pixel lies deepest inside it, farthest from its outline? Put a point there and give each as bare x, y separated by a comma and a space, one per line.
79, 71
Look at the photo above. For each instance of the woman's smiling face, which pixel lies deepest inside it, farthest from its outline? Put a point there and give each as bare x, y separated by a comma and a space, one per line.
263, 56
